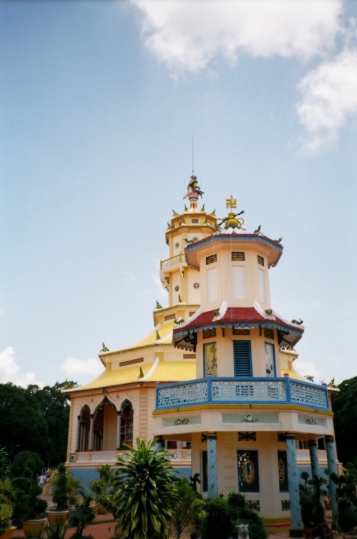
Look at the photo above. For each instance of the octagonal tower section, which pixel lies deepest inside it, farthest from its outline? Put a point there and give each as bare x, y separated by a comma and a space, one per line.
248, 412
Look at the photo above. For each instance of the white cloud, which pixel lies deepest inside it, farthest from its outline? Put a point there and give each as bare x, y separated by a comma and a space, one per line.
10, 371
81, 369
189, 35
329, 96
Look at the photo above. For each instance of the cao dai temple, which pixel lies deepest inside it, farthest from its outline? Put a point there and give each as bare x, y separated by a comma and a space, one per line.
214, 381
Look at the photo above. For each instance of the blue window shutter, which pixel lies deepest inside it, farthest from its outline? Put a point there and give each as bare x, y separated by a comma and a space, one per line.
242, 358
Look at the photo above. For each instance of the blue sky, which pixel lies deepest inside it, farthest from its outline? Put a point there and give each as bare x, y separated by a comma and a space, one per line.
99, 103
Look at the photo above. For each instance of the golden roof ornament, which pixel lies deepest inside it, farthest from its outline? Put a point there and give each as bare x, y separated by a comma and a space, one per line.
232, 221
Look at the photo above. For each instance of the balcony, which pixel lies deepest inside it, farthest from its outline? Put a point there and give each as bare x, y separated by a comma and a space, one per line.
214, 390
86, 458
172, 262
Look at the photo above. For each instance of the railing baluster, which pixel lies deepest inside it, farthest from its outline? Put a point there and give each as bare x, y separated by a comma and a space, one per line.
249, 390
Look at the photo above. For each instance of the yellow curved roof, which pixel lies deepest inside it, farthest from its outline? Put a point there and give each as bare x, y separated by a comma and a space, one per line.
165, 371
165, 331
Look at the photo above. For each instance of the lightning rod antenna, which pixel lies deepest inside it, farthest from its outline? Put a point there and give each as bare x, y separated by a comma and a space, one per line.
192, 158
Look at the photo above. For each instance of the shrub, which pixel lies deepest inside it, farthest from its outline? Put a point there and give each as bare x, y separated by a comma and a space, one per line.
217, 522
27, 504
20, 461
188, 504
84, 515
61, 494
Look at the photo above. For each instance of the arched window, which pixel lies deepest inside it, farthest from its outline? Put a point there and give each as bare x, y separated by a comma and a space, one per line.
84, 422
127, 423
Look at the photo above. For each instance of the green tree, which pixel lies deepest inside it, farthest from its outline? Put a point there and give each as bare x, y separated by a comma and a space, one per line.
4, 464
102, 487
347, 497
345, 410
35, 419
187, 506
54, 408
21, 425
146, 497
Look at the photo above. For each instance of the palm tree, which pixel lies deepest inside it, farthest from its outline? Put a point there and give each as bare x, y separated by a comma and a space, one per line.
146, 492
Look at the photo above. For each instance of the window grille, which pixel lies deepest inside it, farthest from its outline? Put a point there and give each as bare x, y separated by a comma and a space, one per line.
238, 257
211, 259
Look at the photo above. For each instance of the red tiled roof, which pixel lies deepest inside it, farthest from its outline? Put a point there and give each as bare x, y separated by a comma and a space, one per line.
235, 315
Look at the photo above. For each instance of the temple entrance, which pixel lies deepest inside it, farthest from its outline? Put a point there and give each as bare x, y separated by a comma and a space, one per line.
105, 427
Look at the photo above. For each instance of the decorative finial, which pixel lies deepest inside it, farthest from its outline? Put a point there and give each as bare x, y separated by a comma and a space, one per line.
231, 221
141, 373
257, 230
231, 202
193, 191
158, 306
157, 336
104, 348
174, 213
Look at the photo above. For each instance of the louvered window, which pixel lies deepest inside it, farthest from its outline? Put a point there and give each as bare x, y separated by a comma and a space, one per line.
242, 358
238, 256
211, 259
260, 260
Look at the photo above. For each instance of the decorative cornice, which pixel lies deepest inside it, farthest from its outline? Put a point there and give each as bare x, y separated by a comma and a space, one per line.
208, 406
236, 325
231, 238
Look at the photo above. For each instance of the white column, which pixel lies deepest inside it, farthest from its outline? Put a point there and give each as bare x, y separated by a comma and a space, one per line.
78, 434
91, 433
118, 429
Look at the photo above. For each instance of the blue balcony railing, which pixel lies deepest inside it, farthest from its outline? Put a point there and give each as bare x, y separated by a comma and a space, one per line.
212, 390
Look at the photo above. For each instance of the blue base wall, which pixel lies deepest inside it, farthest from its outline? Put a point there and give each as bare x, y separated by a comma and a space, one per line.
183, 472
90, 474
85, 475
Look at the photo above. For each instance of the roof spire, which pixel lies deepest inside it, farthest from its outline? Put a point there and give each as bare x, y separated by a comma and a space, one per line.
193, 192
